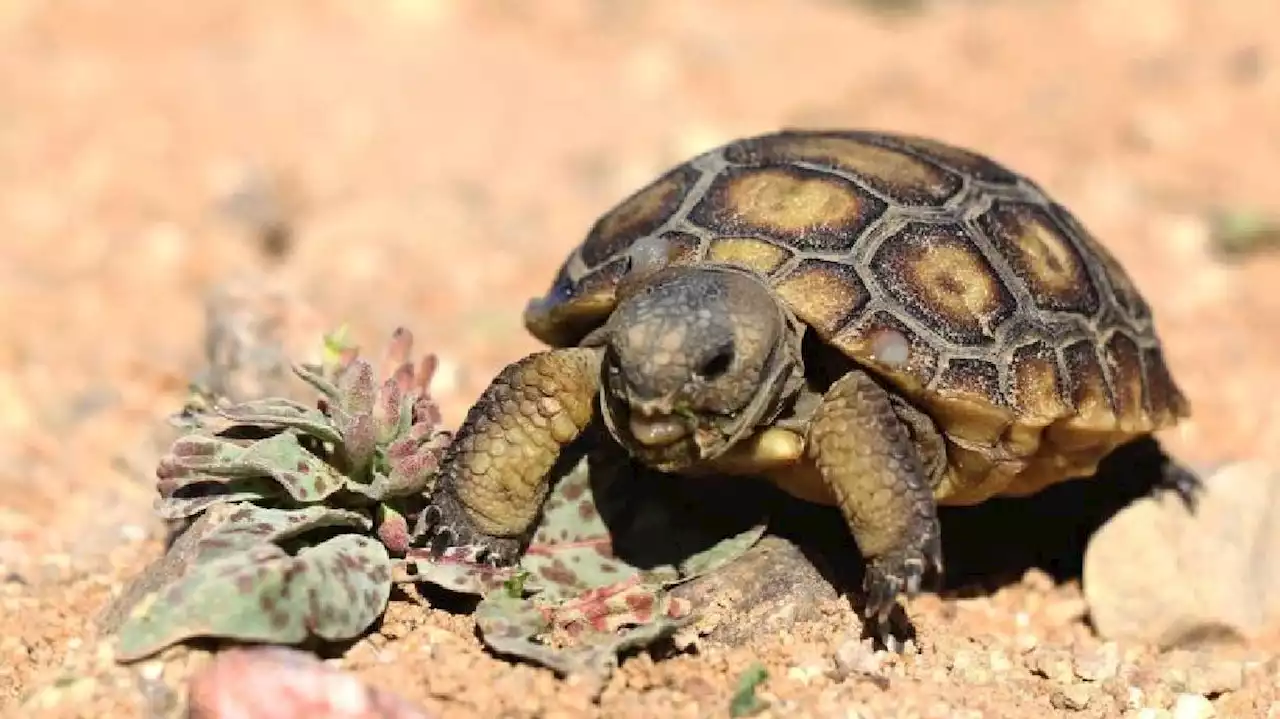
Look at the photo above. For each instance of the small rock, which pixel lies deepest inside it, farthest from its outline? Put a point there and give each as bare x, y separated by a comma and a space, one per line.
1192, 706
854, 657
1157, 573
1216, 677
764, 592
1098, 664
285, 683
1201, 673
1053, 664
1075, 697
811, 666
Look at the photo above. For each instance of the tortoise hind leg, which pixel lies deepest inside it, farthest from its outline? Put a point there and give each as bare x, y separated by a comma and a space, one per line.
494, 476
1146, 460
868, 458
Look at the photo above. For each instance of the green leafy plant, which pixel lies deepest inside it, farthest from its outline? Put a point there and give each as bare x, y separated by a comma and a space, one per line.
321, 496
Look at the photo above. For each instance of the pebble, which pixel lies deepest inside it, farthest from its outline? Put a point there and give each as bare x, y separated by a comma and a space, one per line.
1052, 663
809, 669
1074, 697
1192, 706
1099, 664
1144, 587
857, 657
1213, 678
1199, 673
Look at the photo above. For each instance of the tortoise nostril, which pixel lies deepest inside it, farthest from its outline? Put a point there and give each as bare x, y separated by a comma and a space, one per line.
717, 364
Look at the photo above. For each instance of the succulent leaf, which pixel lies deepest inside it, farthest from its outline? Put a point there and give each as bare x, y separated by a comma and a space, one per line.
280, 413
515, 627
181, 501
319, 378
392, 415
303, 475
245, 584
393, 530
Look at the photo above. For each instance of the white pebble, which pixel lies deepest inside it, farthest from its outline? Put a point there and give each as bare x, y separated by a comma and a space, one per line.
1192, 706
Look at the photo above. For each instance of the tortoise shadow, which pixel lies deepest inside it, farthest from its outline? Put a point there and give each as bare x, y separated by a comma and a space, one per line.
660, 519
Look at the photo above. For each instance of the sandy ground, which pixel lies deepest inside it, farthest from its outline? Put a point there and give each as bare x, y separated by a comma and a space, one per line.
440, 157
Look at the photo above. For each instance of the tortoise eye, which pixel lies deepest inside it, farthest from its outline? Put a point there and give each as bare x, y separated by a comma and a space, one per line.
717, 364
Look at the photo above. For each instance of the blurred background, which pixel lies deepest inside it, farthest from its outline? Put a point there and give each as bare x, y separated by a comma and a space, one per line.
430, 162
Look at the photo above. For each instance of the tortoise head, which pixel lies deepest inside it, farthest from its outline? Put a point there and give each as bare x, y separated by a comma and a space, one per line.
695, 358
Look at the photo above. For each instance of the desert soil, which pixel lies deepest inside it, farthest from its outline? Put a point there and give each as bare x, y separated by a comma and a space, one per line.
435, 159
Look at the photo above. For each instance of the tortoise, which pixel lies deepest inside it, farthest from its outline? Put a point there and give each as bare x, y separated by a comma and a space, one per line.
882, 322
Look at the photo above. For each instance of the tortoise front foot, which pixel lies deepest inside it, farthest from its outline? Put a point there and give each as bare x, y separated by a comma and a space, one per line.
494, 476
869, 460
445, 525
900, 573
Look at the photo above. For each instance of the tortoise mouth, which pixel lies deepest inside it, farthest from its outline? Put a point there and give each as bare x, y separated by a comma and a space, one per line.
657, 432
671, 444
667, 441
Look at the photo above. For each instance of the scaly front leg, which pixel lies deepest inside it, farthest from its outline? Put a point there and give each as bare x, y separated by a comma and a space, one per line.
494, 476
877, 473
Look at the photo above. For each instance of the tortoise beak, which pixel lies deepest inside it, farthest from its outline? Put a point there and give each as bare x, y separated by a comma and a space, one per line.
657, 431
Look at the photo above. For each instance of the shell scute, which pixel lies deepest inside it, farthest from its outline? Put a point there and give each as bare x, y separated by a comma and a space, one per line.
938, 275
879, 339
825, 295
641, 214
1042, 255
805, 209
959, 159
902, 177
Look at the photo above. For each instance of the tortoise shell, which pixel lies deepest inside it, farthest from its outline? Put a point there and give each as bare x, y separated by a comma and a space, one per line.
953, 278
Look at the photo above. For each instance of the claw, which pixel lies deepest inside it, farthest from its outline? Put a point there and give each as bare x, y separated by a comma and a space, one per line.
432, 514
1182, 481
445, 525
442, 538
898, 574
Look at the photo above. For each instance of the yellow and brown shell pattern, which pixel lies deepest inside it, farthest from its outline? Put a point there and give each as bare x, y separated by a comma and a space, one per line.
954, 277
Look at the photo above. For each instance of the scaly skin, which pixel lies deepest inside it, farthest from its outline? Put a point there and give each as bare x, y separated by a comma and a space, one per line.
866, 456
496, 473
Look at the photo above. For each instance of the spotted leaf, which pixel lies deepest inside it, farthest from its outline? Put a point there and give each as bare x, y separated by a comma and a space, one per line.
333, 591
303, 475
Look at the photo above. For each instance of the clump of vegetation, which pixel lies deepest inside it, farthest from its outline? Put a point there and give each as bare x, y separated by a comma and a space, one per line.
320, 494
